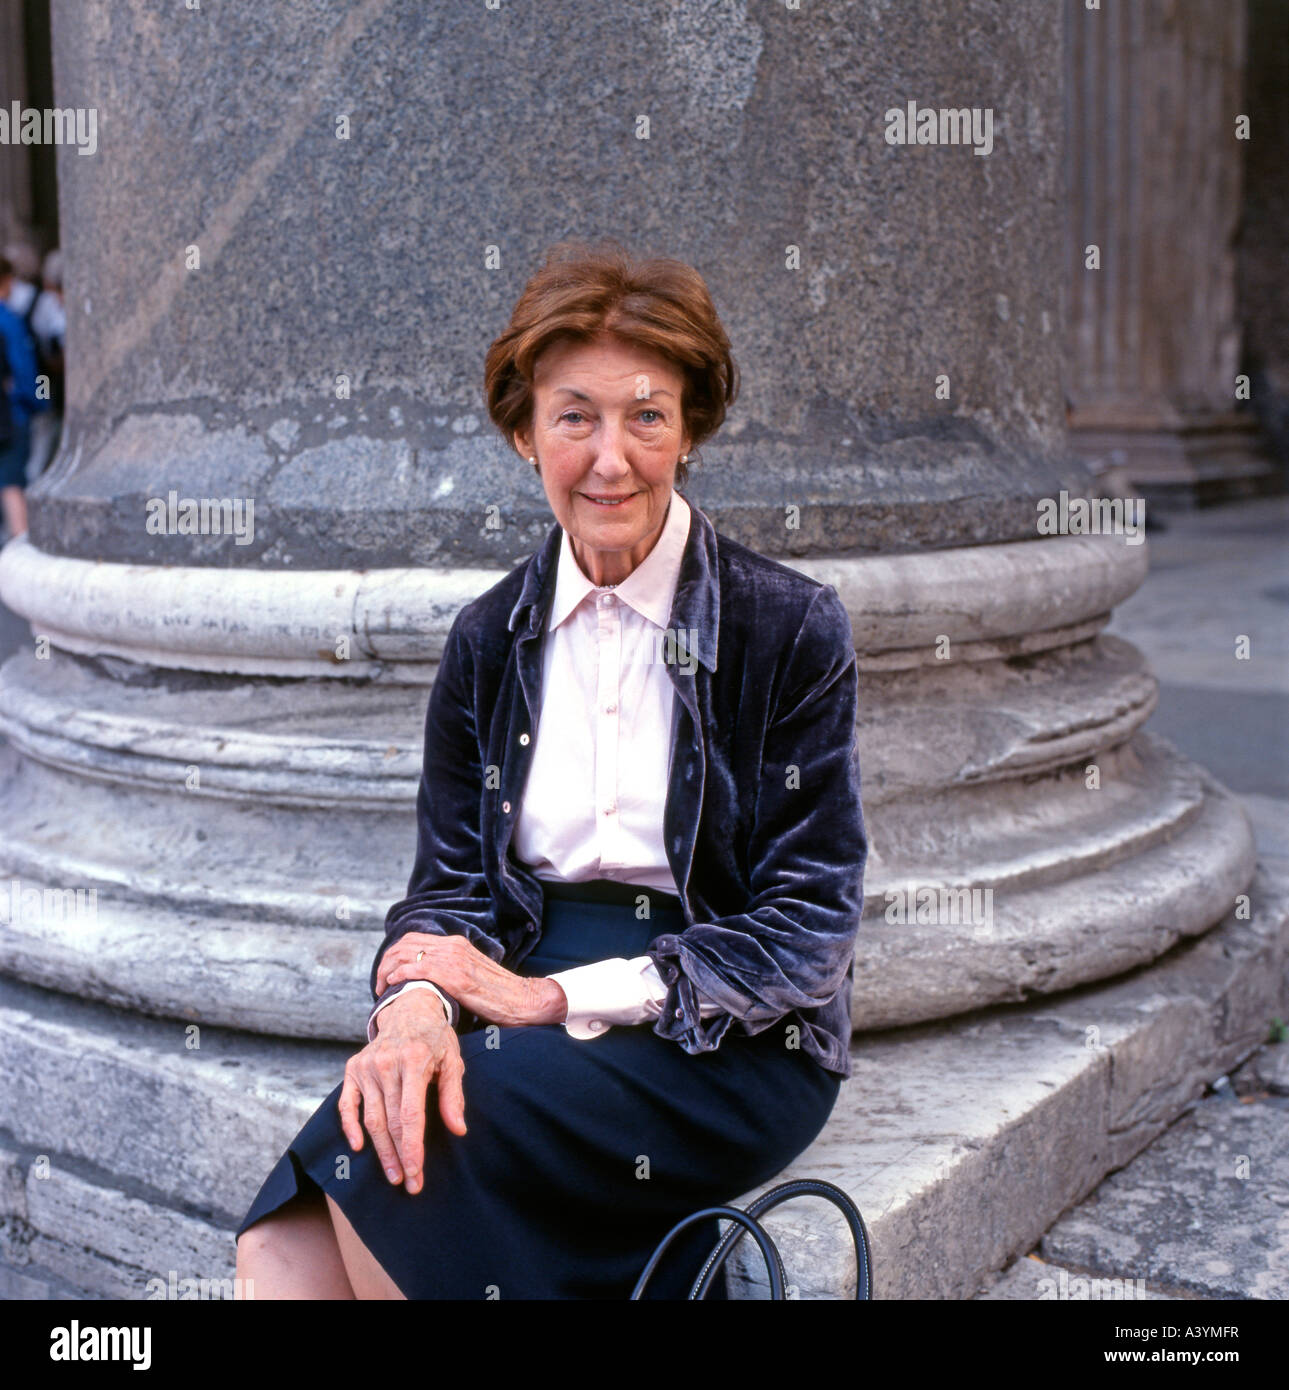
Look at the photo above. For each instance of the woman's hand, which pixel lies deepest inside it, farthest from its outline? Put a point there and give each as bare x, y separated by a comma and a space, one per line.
476, 980
413, 1047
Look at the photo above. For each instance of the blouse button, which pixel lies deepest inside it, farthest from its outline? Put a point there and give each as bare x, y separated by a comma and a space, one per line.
505, 806
595, 1025
523, 739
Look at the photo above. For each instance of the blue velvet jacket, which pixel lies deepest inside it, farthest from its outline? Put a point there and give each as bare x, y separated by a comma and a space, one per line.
764, 826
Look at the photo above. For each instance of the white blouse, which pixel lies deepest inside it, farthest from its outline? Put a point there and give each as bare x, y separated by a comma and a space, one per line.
596, 789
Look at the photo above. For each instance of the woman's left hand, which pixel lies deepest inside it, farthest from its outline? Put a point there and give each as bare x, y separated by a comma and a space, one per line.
474, 979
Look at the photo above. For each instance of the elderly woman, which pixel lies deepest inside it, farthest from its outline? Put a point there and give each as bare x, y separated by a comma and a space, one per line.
624, 964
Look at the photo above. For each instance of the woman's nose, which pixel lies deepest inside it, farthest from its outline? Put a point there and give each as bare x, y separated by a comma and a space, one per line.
611, 457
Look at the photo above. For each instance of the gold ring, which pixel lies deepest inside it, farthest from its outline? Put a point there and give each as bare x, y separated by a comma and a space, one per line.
419, 954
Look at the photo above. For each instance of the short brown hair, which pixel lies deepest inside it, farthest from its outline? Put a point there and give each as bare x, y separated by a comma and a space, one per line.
583, 290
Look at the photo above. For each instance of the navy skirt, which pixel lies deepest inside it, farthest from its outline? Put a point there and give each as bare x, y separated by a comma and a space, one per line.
579, 1156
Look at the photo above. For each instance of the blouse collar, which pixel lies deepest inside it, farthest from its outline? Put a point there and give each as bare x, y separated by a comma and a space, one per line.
696, 610
649, 588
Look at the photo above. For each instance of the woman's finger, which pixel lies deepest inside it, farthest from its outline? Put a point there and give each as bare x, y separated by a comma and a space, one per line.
348, 1107
452, 1091
424, 970
376, 1122
404, 952
388, 961
418, 1071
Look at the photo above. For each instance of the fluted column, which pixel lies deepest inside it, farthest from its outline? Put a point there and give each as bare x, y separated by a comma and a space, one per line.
1153, 94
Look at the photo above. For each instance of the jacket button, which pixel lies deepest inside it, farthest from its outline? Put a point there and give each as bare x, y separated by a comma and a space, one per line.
505, 806
523, 739
680, 1013
532, 926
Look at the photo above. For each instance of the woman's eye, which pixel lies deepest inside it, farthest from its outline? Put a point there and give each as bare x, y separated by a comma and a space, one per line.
658, 413
567, 413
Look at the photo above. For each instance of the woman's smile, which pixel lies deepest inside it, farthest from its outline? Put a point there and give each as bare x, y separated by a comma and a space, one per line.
607, 501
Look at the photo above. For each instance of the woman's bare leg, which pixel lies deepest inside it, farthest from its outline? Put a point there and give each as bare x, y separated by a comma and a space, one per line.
293, 1253
367, 1277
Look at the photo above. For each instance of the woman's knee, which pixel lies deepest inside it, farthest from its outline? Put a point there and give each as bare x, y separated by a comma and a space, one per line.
292, 1252
299, 1216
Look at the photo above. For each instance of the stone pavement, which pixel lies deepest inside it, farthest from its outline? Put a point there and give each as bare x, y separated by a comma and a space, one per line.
1203, 1212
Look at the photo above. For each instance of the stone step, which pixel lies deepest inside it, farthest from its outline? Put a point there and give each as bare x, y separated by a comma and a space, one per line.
961, 1142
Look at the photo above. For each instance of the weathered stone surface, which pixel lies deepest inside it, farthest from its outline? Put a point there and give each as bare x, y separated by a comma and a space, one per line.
395, 620
1205, 1208
195, 1129
1269, 1068
838, 412
123, 1247
38, 1286
1031, 1278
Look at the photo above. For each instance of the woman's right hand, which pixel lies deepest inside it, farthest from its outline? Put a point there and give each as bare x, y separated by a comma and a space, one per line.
414, 1045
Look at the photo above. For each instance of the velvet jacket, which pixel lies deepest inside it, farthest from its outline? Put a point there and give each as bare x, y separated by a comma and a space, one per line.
763, 824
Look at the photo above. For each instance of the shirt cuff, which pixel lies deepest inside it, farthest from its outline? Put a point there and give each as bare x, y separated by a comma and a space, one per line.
389, 999
615, 991
608, 992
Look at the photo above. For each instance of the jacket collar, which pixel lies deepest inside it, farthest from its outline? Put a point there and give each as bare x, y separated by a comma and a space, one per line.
695, 608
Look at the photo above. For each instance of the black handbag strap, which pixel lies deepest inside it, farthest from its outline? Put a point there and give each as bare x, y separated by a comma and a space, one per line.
797, 1187
744, 1223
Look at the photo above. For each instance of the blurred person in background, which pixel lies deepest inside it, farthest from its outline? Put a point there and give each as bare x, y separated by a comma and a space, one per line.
22, 400
24, 289
48, 323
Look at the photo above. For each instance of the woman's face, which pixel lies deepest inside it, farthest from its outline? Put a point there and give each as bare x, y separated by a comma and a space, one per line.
607, 433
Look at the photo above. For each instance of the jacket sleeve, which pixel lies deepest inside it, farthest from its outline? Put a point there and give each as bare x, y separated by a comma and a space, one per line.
793, 946
447, 893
